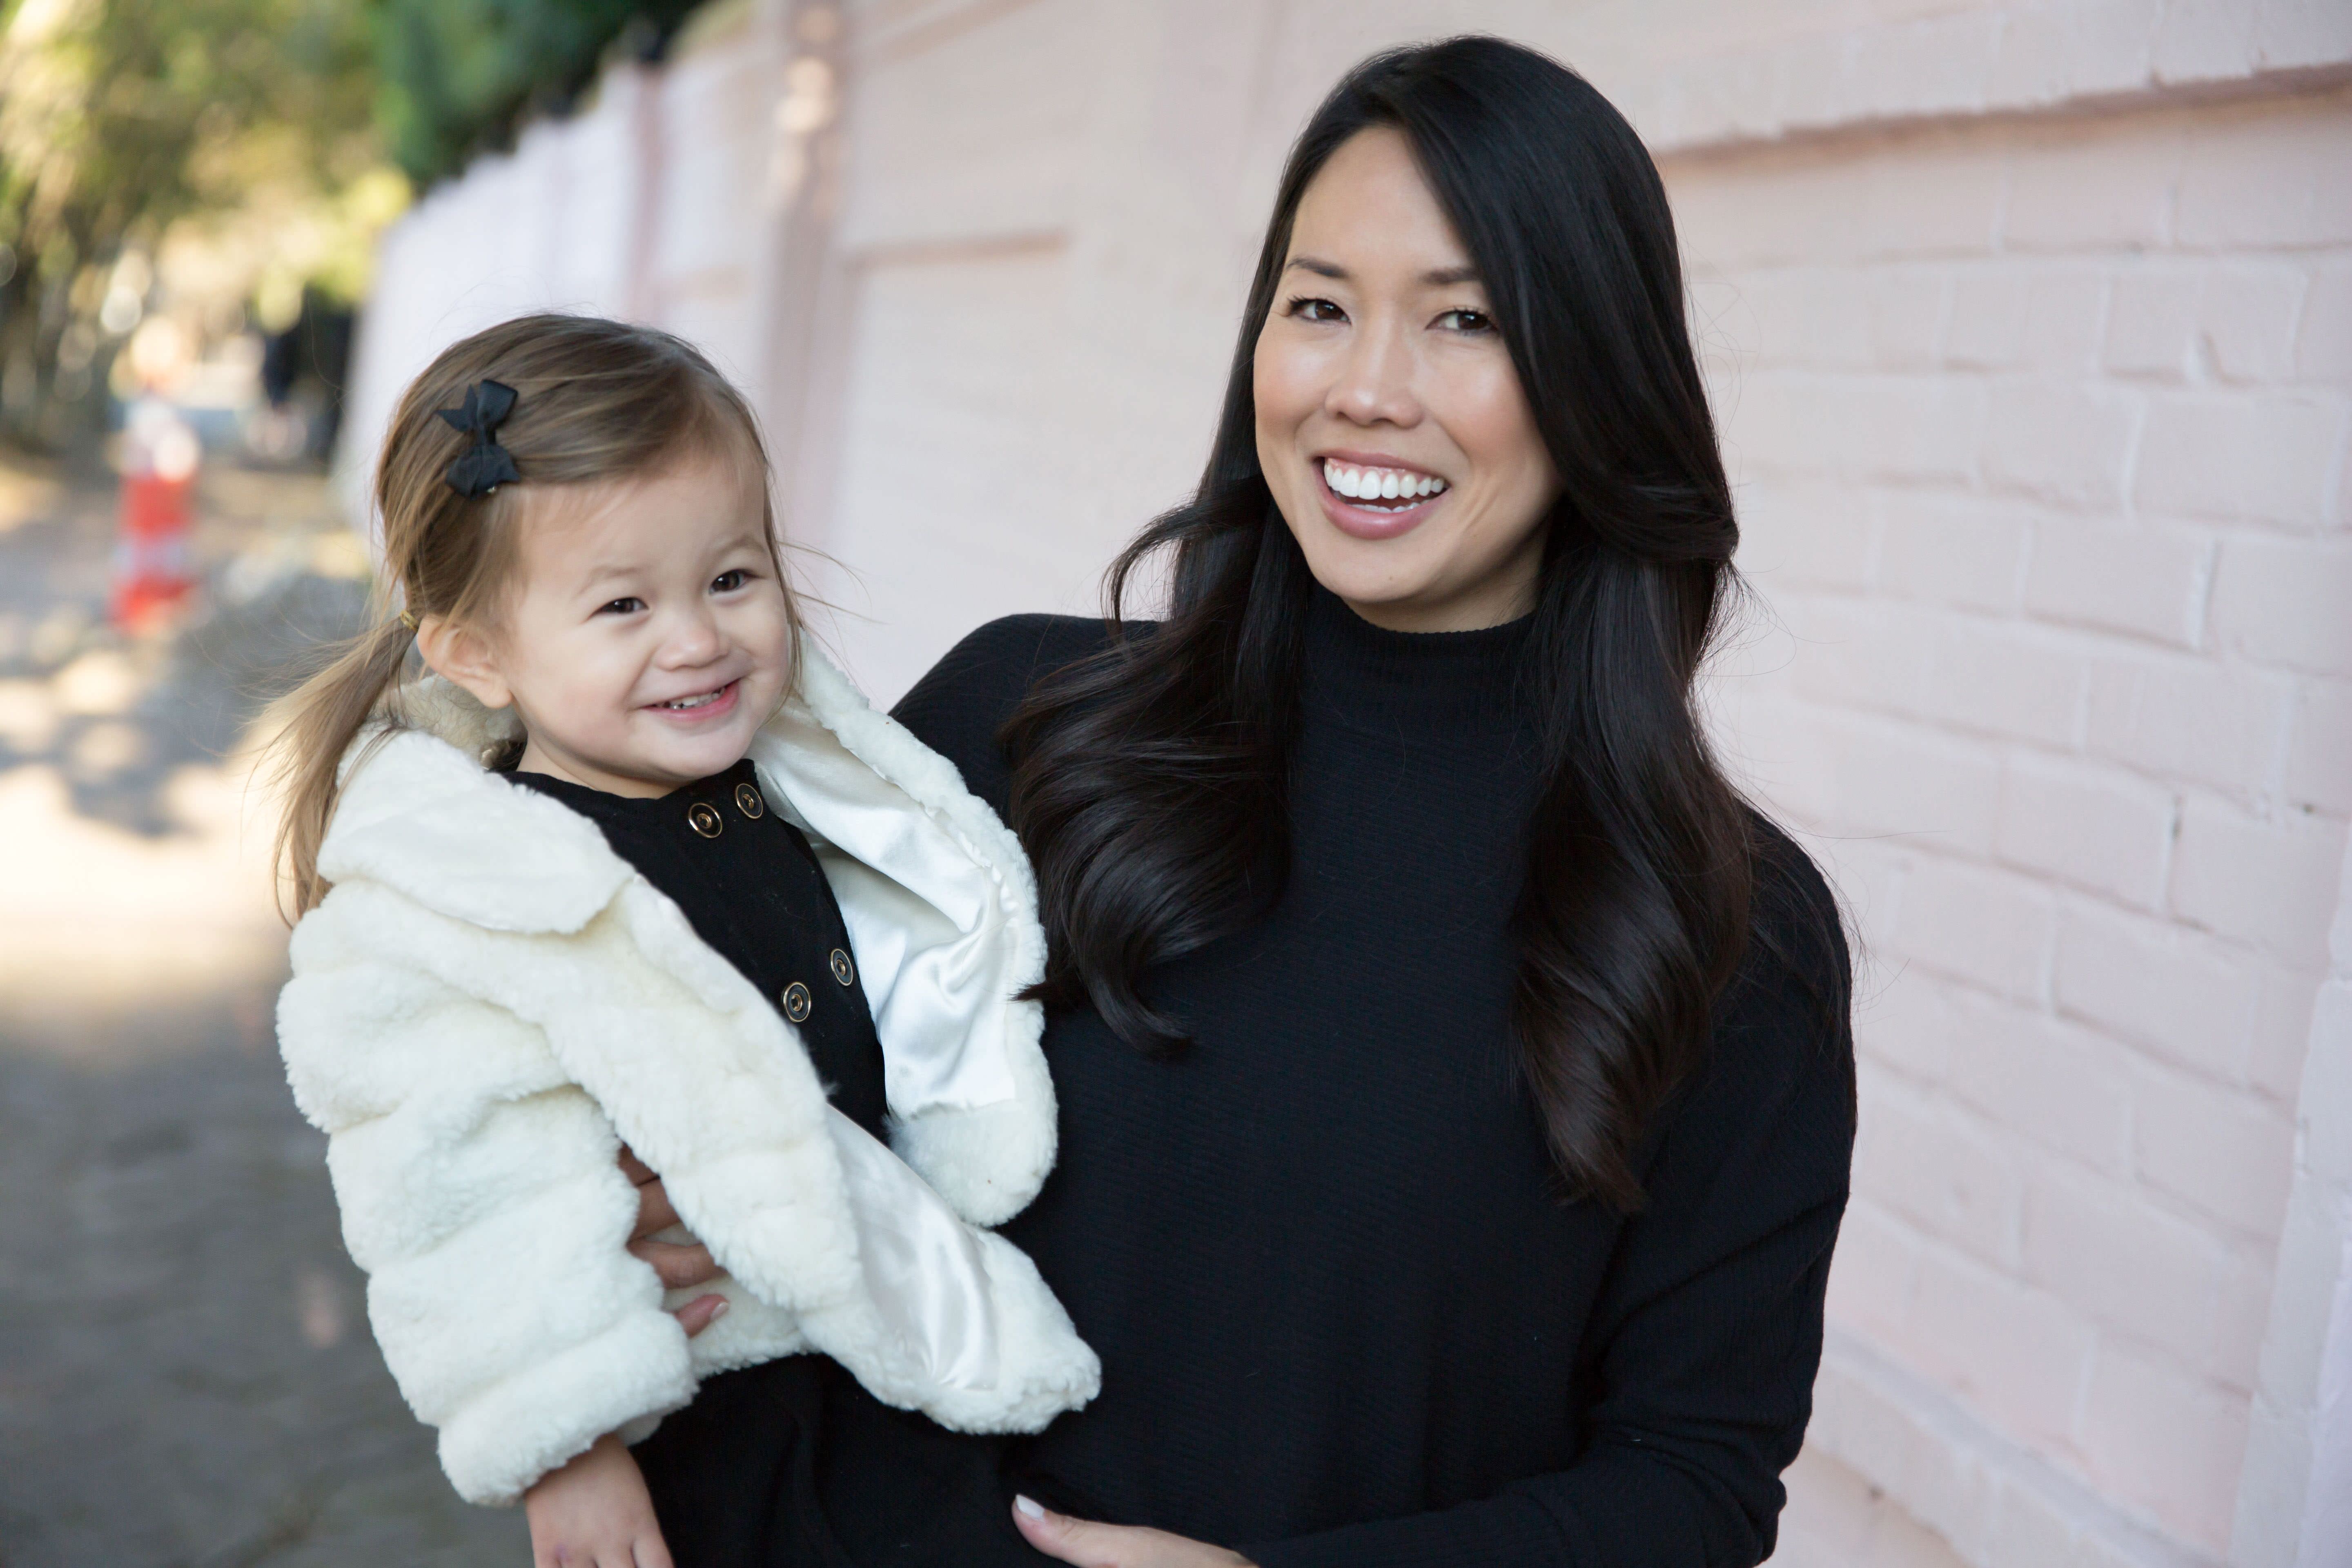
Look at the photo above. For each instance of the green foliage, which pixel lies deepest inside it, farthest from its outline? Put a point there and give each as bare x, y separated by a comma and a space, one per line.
122, 115
121, 119
458, 75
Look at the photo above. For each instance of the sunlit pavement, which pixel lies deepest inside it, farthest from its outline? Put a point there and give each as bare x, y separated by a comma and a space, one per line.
185, 1373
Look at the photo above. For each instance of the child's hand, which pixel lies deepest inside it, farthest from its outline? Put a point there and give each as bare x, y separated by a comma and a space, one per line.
595, 1512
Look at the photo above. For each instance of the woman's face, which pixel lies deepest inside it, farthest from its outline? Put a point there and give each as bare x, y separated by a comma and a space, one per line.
1390, 424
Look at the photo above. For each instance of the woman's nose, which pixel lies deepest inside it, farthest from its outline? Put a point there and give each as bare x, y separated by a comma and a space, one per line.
1375, 381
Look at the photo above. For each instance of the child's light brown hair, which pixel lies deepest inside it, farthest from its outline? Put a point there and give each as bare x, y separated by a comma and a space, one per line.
596, 401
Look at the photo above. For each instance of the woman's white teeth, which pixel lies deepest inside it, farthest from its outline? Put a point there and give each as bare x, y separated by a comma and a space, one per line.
1380, 484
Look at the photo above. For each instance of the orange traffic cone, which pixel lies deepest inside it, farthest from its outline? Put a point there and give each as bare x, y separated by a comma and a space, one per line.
153, 569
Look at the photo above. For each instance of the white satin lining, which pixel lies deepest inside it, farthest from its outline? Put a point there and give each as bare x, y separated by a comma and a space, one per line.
925, 1279
932, 938
922, 1264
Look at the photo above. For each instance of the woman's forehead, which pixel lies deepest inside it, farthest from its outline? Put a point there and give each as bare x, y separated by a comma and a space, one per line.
1370, 207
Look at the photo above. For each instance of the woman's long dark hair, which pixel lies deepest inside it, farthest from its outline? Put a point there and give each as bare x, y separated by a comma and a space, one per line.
1151, 783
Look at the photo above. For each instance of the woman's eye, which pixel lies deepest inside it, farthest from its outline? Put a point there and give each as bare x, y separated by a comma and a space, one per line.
1466, 321
628, 606
728, 582
1312, 310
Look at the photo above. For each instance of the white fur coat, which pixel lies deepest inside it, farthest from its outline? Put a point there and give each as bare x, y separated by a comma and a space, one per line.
491, 1001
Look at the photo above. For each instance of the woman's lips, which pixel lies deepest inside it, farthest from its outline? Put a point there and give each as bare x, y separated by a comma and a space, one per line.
718, 706
1361, 522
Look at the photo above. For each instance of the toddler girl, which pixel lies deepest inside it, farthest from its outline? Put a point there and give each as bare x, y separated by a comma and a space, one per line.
634, 865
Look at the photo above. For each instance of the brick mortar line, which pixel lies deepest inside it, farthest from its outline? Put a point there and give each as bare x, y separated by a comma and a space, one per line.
2257, 86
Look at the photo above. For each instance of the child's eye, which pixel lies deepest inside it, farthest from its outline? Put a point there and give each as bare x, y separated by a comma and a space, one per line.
728, 582
1467, 321
628, 606
1309, 309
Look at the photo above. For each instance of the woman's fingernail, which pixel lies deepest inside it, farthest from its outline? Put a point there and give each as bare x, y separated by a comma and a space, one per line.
1033, 1510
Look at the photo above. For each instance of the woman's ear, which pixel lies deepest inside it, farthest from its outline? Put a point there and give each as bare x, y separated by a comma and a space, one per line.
459, 654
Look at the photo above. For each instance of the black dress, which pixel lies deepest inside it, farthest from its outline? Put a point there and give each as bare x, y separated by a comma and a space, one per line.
1343, 1316
732, 1475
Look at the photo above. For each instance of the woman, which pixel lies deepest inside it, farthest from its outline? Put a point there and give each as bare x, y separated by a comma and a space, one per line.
1456, 1092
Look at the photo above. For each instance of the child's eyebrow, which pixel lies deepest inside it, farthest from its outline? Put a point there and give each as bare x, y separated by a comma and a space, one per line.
609, 571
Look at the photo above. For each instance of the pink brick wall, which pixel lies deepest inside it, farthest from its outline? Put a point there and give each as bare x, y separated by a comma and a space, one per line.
2041, 431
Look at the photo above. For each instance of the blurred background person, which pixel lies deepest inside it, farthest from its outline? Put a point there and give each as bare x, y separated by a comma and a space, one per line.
2029, 326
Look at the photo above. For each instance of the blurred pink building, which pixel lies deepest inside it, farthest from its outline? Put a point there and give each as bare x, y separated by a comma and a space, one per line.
2031, 330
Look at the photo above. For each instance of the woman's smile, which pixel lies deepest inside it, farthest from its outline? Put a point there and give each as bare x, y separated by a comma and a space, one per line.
1373, 496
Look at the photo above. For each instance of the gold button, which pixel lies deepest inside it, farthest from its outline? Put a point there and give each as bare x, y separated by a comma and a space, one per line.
843, 970
747, 801
797, 1001
704, 818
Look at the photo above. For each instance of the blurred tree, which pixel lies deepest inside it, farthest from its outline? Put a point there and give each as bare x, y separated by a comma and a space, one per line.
459, 75
248, 138
121, 119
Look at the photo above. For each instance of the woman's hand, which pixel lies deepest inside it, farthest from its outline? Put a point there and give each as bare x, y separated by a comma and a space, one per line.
678, 1265
595, 1512
1115, 1545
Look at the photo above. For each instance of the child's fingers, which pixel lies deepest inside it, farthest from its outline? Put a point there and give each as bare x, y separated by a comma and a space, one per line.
636, 1170
677, 1267
653, 1552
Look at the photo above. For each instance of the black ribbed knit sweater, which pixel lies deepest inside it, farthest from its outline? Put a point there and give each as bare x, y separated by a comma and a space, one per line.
1343, 1316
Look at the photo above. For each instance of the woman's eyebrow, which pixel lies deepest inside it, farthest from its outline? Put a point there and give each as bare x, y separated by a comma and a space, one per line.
1435, 277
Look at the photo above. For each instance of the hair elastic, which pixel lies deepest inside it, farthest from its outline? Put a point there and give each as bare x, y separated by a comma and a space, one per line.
408, 620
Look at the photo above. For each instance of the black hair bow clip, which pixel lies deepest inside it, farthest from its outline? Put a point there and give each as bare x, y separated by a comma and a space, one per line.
483, 466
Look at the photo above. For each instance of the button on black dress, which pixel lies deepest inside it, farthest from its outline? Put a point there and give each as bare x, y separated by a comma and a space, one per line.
731, 1473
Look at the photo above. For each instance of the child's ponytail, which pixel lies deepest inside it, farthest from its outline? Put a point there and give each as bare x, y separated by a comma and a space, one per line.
583, 401
316, 724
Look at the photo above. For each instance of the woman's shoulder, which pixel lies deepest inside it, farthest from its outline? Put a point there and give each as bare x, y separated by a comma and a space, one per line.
960, 705
1795, 923
1000, 661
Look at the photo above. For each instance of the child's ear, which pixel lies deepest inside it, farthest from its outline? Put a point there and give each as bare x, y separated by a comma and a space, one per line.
459, 654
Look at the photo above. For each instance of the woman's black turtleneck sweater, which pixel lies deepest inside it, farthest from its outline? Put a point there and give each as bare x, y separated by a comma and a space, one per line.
1344, 1317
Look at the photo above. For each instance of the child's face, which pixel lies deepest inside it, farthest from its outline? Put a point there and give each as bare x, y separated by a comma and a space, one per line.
646, 637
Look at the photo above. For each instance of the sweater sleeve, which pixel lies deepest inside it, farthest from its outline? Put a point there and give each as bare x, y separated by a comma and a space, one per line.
480, 1194
1710, 1325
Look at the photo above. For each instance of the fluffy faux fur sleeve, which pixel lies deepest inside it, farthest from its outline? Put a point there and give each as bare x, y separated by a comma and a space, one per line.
491, 1001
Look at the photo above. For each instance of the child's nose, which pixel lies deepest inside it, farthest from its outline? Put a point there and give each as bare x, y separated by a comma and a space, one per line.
694, 638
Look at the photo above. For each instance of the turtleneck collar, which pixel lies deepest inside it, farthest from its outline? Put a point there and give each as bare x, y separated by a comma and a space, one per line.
1427, 685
